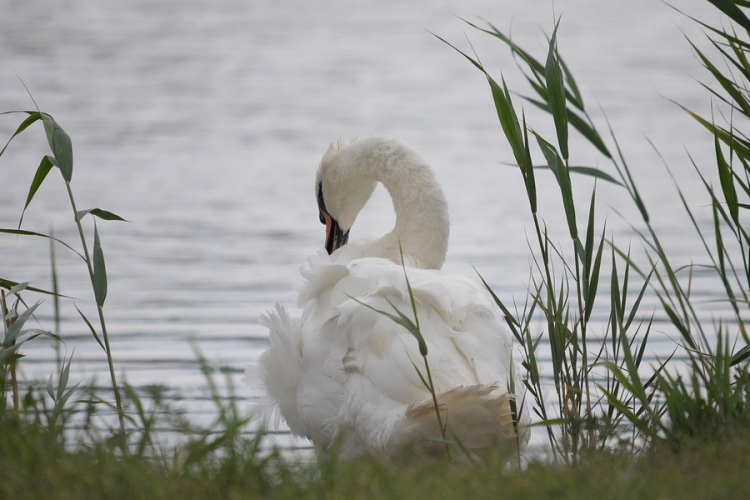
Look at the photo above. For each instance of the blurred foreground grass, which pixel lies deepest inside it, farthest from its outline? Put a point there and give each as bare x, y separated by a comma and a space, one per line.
33, 466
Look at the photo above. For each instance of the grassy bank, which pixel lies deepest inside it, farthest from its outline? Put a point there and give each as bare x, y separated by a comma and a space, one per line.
35, 467
614, 426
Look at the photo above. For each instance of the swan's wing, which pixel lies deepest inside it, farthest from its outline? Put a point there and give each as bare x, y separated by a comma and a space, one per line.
465, 337
279, 369
376, 361
301, 377
347, 367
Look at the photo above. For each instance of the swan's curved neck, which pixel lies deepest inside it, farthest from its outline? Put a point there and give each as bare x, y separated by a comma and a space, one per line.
422, 224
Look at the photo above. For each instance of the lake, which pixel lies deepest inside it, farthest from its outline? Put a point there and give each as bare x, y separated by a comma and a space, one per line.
202, 123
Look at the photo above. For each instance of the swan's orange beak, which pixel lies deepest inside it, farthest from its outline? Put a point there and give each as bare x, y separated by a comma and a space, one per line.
335, 237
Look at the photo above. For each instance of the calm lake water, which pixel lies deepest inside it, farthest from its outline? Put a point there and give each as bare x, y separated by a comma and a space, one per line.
202, 123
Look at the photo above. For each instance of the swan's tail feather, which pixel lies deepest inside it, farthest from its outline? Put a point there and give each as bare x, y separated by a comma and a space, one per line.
279, 369
475, 417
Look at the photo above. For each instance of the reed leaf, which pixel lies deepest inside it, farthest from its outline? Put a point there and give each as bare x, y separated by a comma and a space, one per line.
556, 90
729, 86
22, 232
586, 171
10, 285
407, 323
91, 329
98, 212
740, 356
41, 173
527, 170
506, 114
593, 280
562, 175
731, 9
60, 144
100, 271
727, 184
33, 117
739, 145
534, 64
15, 329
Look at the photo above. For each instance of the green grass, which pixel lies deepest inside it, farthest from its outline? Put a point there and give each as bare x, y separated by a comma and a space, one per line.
35, 467
615, 427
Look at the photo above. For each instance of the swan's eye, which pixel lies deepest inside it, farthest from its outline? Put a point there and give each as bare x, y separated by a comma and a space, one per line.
322, 219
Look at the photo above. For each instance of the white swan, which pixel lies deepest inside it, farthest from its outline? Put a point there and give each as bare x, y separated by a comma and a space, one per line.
346, 374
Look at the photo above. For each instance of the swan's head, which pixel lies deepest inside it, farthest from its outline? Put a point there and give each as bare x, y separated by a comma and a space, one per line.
342, 186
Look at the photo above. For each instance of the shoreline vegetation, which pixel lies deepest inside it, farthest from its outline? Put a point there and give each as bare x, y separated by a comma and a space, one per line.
614, 424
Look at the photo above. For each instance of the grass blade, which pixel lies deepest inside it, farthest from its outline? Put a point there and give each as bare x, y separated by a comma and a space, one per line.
10, 285
23, 232
100, 271
562, 174
556, 92
98, 212
41, 173
731, 9
91, 329
33, 116
60, 144
727, 184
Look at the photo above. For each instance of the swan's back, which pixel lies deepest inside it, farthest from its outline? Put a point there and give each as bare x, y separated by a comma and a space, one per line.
345, 369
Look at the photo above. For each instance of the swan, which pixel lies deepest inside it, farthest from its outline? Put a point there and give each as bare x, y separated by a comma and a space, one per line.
346, 376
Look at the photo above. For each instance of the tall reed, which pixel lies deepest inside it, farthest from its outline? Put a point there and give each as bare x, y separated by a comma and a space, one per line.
61, 156
591, 407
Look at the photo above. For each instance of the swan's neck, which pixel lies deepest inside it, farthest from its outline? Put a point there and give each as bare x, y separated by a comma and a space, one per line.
422, 223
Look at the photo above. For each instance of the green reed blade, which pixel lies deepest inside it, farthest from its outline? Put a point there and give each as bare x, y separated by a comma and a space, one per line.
562, 175
556, 91
527, 169
727, 184
60, 144
23, 232
33, 116
730, 8
100, 271
9, 285
91, 329
98, 212
41, 173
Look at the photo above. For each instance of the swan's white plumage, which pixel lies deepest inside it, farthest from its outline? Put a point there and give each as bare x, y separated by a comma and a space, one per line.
346, 372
